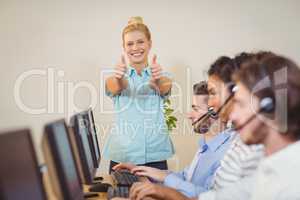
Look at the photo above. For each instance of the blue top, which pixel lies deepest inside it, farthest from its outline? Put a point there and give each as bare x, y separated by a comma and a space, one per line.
140, 134
207, 161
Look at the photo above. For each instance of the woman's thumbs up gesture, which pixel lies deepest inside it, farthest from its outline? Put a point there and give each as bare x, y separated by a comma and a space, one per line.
121, 68
156, 69
158, 81
115, 83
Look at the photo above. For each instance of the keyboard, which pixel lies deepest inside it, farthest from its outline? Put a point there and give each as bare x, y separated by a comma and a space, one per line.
124, 178
119, 191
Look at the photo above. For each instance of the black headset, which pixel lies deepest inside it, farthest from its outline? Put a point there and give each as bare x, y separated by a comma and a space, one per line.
266, 103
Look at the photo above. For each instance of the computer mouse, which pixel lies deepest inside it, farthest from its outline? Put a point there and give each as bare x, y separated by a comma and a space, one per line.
100, 187
99, 178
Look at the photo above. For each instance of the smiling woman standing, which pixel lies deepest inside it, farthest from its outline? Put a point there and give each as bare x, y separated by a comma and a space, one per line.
140, 135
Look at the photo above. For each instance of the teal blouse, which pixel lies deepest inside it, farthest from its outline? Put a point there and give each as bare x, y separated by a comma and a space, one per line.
139, 134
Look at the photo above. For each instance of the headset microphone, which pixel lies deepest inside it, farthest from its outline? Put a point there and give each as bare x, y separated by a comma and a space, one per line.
200, 125
266, 106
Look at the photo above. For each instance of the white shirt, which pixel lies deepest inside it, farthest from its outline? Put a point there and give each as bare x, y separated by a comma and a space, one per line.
277, 178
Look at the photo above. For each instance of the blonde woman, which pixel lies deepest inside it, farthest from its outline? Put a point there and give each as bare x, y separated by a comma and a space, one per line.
138, 88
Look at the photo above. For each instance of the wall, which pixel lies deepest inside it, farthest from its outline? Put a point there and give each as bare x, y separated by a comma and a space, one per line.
73, 42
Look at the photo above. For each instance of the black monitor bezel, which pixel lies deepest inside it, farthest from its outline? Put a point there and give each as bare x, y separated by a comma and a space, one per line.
88, 173
26, 134
95, 137
62, 179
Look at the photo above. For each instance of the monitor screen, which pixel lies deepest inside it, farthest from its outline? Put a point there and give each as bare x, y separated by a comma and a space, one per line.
76, 153
63, 160
89, 122
93, 131
82, 137
19, 172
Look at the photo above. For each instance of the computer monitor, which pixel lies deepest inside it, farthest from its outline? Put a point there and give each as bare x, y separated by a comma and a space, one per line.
20, 176
89, 118
81, 132
75, 150
60, 162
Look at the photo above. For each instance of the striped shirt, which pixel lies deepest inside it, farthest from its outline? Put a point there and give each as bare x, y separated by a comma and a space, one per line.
240, 161
273, 179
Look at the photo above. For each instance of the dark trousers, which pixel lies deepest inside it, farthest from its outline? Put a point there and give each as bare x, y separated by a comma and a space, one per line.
163, 165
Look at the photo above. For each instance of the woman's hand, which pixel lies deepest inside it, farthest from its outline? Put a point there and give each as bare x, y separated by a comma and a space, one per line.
158, 82
156, 69
115, 83
120, 68
156, 174
124, 166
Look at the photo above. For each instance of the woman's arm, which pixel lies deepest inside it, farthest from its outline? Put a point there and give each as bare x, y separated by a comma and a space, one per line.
116, 83
162, 85
159, 82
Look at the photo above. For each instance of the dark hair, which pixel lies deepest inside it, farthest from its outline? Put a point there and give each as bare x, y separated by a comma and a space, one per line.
260, 55
273, 67
242, 58
223, 67
200, 88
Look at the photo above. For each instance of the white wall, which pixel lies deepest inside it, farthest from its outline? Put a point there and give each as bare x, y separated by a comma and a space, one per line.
82, 38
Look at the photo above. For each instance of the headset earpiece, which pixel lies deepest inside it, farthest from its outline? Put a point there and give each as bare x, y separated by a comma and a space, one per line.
267, 105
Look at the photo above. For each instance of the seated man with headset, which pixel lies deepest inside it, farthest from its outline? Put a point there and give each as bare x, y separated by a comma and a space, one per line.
266, 111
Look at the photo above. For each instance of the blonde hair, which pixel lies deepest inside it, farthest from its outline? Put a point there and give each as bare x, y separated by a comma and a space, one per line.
136, 24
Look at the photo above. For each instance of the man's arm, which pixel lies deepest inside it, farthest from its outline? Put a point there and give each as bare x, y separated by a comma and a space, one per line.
239, 190
186, 187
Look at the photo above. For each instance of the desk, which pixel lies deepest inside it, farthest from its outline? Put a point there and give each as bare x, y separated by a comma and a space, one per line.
102, 196
51, 195
106, 179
